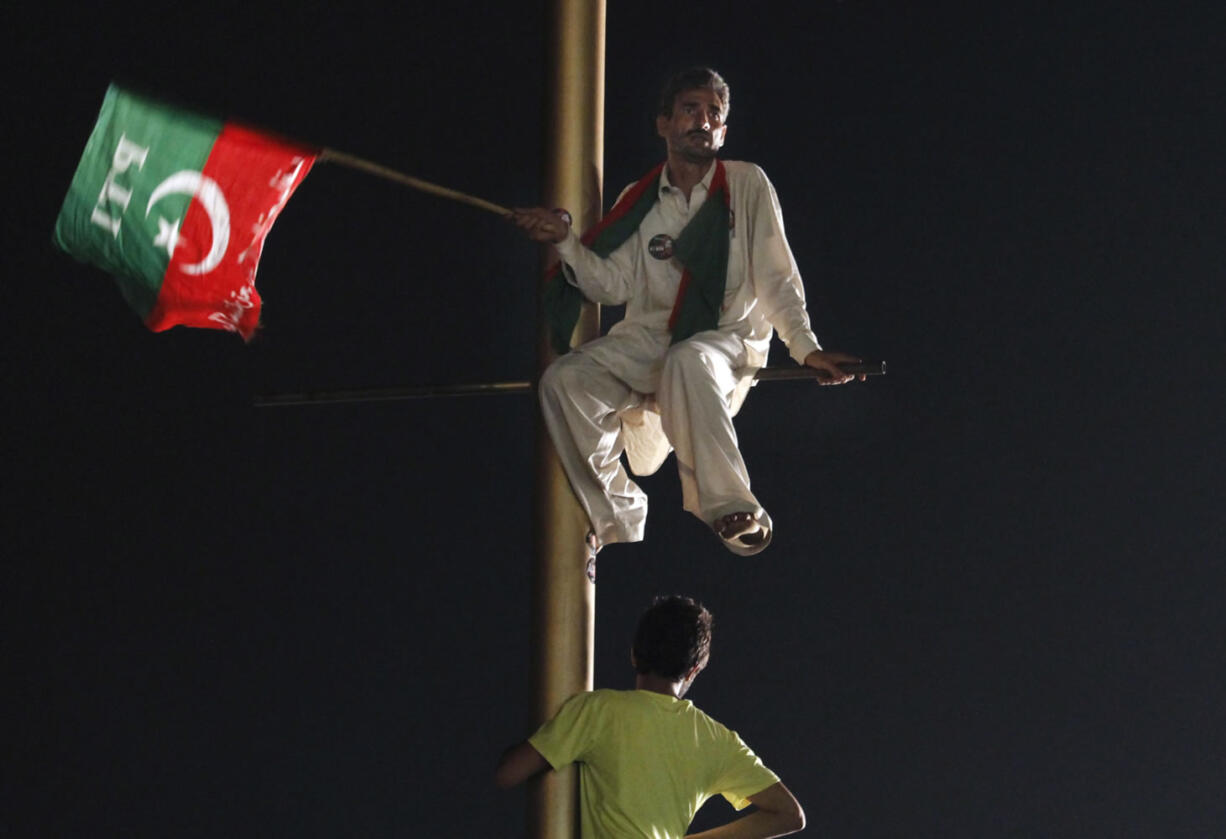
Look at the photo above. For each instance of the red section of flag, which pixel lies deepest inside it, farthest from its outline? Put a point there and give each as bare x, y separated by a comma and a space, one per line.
210, 281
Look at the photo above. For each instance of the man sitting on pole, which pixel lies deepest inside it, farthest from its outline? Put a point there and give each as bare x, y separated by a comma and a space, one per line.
648, 758
696, 251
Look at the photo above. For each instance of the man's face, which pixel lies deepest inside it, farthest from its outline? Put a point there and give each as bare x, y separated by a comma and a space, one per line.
696, 129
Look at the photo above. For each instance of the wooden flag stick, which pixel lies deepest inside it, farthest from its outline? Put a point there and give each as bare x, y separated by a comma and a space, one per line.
331, 155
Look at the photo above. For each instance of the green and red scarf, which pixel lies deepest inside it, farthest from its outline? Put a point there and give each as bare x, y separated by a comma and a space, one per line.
702, 250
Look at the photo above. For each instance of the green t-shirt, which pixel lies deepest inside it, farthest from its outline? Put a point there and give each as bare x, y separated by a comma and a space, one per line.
647, 762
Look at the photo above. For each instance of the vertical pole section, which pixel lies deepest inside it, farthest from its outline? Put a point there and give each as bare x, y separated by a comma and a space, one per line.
564, 606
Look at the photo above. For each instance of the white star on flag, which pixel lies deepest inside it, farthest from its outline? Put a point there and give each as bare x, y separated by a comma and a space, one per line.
168, 235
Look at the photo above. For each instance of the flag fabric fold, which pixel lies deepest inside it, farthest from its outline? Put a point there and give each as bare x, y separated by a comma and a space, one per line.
177, 206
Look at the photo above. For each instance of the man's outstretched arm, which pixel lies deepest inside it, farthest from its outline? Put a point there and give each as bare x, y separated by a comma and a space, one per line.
519, 763
778, 814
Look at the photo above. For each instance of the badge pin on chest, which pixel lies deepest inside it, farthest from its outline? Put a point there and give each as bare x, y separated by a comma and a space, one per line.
661, 246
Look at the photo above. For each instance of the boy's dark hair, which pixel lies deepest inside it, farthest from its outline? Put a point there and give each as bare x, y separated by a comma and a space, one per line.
693, 79
673, 636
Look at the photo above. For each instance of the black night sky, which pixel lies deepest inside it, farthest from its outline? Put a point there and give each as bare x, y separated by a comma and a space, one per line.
992, 606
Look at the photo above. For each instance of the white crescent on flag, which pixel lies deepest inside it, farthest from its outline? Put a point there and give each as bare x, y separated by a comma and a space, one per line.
210, 196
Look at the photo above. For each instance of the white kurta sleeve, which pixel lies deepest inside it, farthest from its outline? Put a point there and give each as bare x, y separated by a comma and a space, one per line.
608, 281
777, 282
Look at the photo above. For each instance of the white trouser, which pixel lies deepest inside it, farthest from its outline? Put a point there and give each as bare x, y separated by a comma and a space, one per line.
581, 399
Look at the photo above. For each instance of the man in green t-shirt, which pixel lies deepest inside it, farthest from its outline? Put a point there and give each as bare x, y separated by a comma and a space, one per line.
648, 758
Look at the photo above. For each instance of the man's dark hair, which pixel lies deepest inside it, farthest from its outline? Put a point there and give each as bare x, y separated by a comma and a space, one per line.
693, 79
673, 636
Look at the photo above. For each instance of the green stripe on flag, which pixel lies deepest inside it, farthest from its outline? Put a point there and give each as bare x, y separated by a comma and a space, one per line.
125, 205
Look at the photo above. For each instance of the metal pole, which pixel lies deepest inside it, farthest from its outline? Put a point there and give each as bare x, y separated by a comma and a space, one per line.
564, 599
391, 394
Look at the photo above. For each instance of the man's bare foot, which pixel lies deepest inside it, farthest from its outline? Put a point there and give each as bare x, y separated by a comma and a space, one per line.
743, 528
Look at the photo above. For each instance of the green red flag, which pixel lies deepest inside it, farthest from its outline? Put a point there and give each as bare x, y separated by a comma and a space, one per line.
176, 205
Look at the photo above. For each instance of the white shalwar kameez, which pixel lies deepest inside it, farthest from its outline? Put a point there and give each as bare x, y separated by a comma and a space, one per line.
698, 384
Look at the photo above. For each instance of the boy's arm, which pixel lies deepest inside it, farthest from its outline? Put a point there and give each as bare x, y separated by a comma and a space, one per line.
778, 814
519, 763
